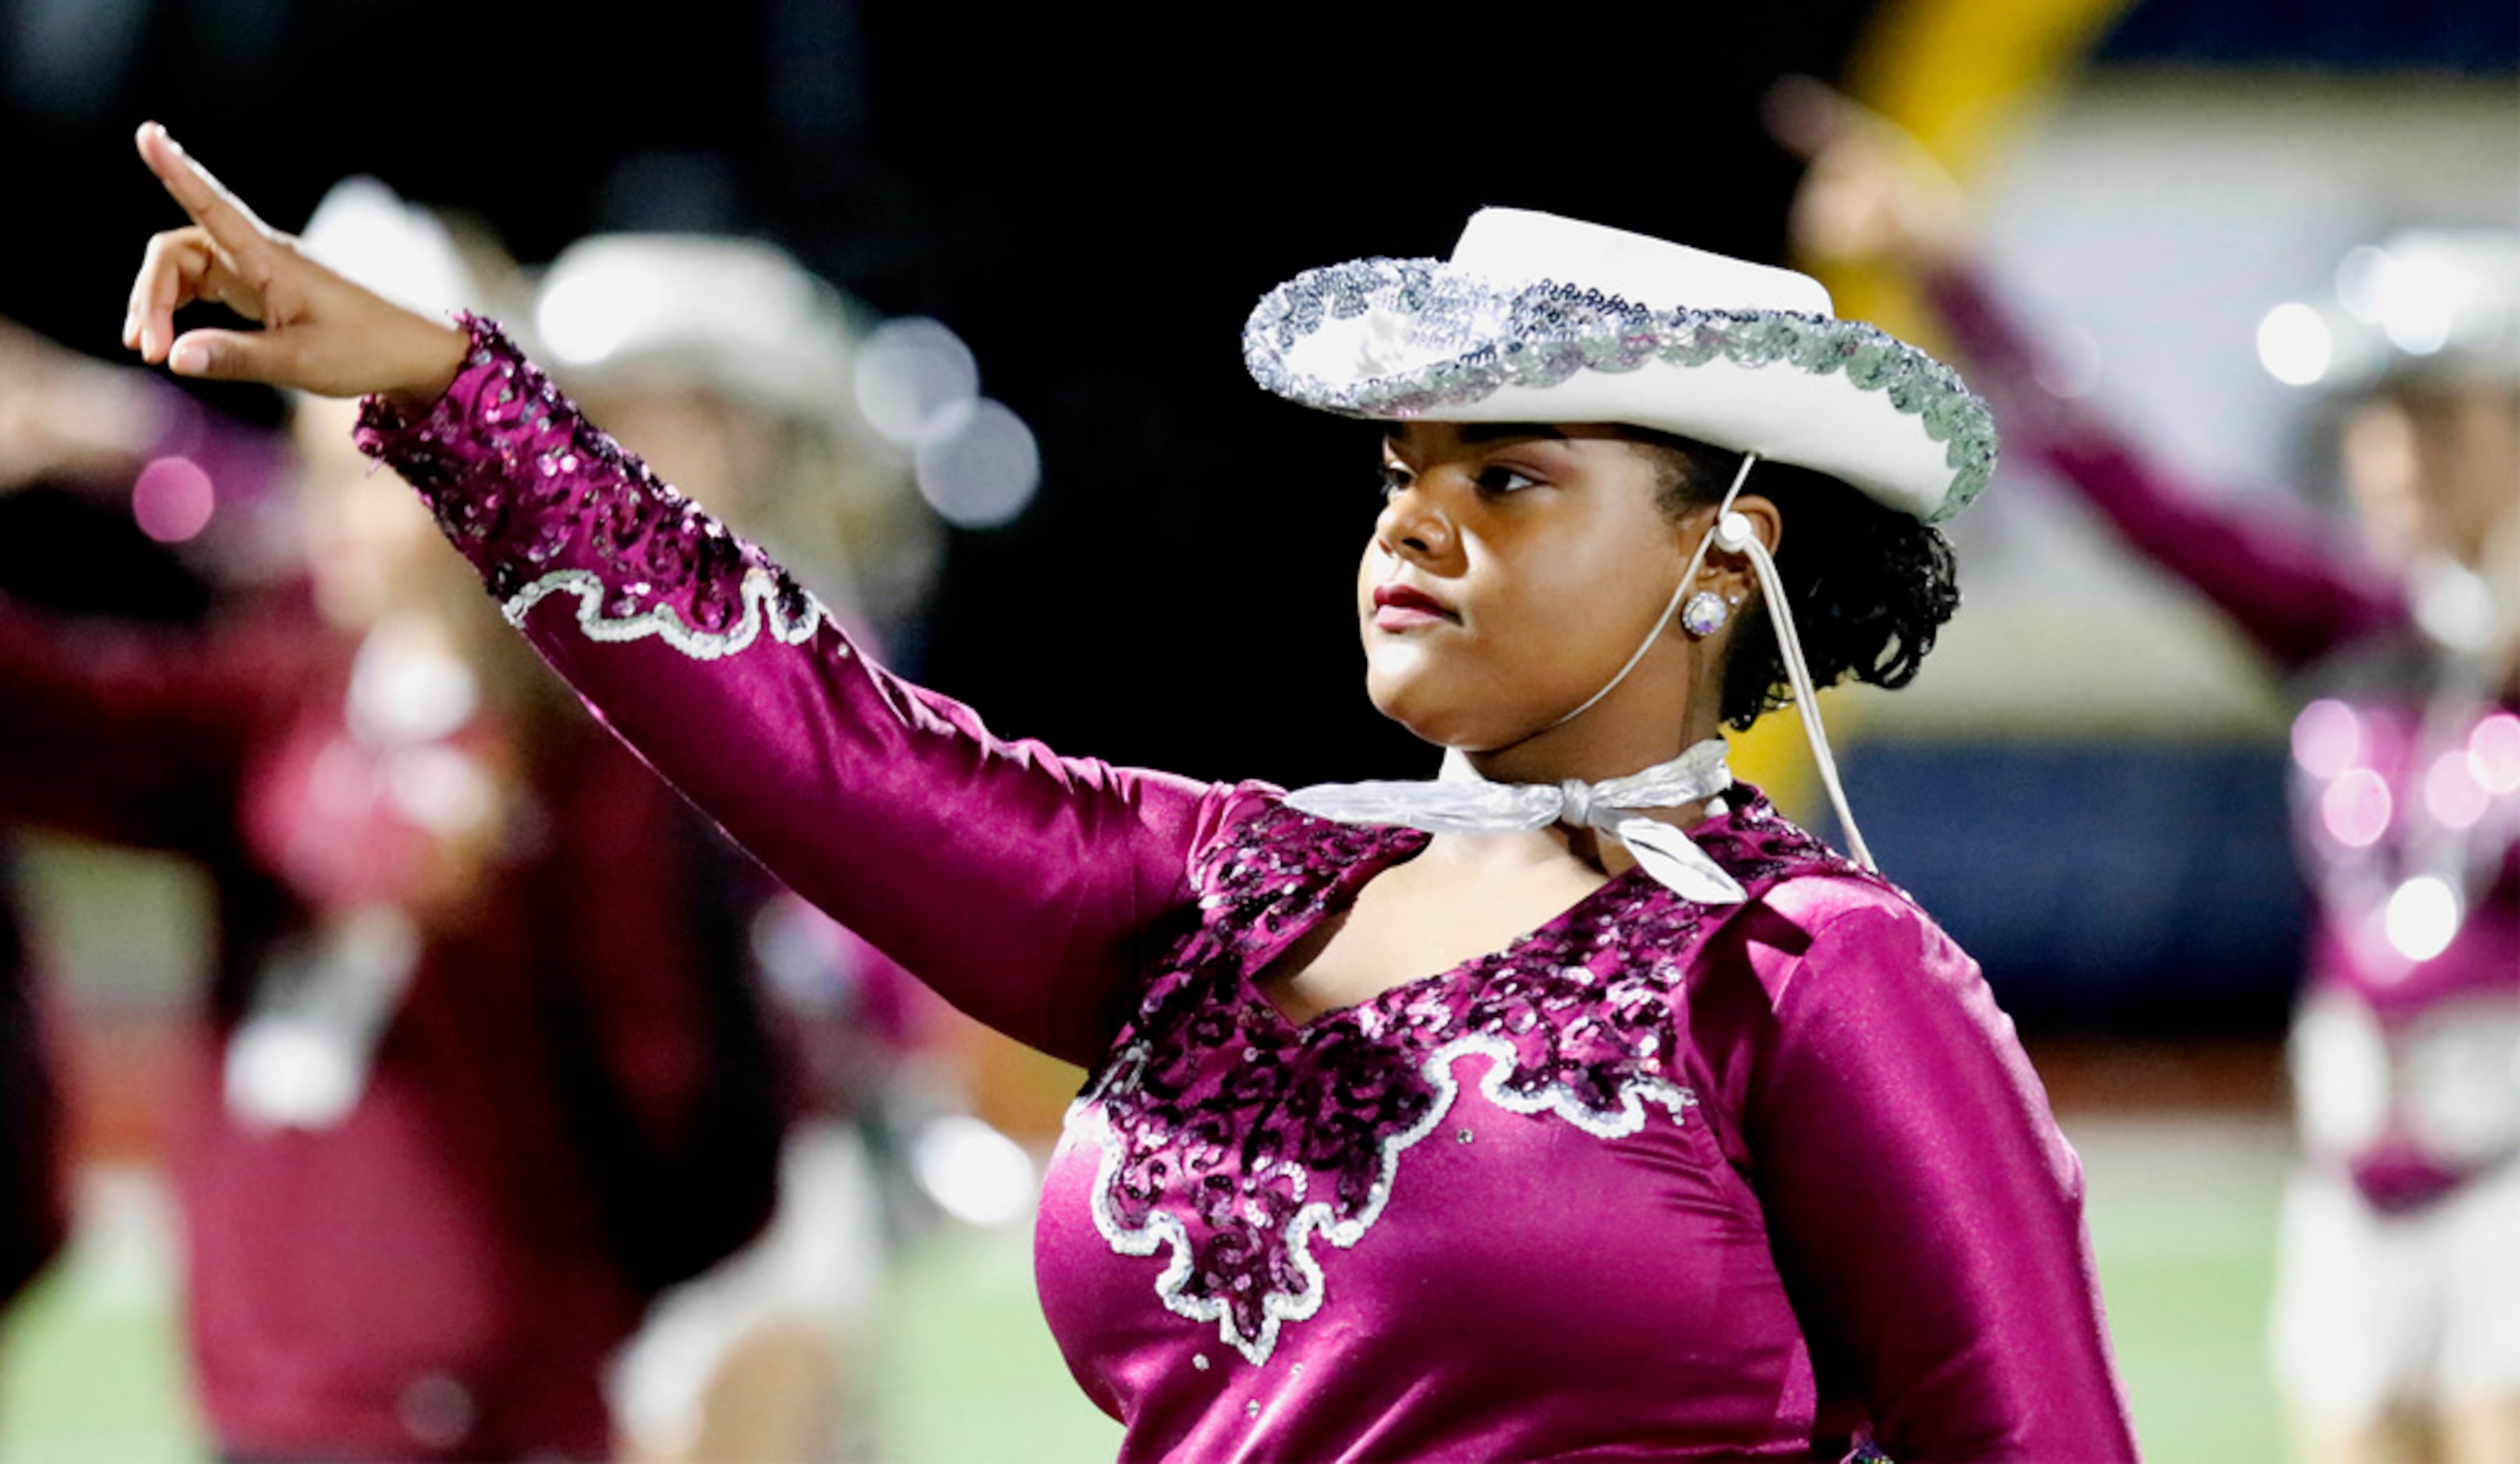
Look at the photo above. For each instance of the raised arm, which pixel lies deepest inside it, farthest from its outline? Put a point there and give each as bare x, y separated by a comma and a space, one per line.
1025, 887
1873, 196
1017, 882
1925, 1214
2285, 578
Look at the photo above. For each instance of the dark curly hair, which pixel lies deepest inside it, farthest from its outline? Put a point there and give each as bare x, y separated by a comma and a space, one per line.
1869, 584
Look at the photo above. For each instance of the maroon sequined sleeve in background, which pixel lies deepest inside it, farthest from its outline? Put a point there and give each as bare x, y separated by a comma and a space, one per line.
2286, 579
35, 1218
1019, 884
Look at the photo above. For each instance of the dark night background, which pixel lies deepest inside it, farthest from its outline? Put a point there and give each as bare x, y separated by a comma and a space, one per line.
1093, 198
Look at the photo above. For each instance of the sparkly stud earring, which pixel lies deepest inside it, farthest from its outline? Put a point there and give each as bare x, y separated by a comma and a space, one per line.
1704, 615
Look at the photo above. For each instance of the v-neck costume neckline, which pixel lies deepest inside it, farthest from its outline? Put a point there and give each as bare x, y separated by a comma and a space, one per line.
1399, 847
1246, 1146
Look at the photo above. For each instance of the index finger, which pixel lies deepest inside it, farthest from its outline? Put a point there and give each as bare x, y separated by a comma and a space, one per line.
225, 215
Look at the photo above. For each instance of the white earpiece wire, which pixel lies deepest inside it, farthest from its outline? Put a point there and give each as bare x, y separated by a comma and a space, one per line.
1688, 578
1731, 527
1733, 533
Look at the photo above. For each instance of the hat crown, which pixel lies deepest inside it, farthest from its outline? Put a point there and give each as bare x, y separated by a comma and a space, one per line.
1523, 245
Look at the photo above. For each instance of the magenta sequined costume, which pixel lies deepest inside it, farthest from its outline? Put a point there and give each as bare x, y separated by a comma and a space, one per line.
1656, 1179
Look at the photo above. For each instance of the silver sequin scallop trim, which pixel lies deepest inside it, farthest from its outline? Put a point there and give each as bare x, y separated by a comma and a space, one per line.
1542, 333
1162, 1228
759, 594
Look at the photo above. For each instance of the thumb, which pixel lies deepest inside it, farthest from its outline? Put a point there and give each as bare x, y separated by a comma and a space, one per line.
232, 356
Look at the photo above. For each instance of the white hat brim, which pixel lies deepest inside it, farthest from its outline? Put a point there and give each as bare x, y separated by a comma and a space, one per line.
1396, 339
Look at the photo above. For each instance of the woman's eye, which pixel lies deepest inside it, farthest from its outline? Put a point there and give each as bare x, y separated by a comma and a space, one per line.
1395, 478
1498, 480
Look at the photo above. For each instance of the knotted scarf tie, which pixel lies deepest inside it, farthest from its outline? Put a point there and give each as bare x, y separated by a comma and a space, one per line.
1460, 801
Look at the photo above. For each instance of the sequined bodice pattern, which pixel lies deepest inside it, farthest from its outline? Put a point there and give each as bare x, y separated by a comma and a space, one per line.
1239, 1170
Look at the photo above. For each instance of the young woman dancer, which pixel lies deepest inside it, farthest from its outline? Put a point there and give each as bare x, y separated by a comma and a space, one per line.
1572, 1104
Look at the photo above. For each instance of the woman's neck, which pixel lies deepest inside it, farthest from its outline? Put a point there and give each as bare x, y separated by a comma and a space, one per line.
1593, 753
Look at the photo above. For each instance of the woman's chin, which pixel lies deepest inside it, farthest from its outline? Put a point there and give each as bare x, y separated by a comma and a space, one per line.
1429, 714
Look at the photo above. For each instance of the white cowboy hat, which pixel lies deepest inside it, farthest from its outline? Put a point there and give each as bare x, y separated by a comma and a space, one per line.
1538, 318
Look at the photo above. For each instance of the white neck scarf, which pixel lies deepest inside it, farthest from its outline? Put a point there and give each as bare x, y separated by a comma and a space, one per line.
1461, 801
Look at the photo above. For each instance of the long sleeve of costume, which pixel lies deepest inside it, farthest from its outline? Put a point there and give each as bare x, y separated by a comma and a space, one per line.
1925, 1214
1022, 885
2292, 587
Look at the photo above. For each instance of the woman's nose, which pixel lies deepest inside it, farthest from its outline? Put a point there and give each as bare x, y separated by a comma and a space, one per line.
1413, 524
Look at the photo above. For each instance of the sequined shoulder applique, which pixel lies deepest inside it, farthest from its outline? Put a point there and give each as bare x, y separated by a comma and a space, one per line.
544, 504
1236, 1167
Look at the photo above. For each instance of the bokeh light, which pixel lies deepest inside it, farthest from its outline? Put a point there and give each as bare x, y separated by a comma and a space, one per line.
2326, 739
912, 376
2451, 793
981, 467
2294, 344
173, 499
976, 1172
2355, 808
2423, 918
2493, 753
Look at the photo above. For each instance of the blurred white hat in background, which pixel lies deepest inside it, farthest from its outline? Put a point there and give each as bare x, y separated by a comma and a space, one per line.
742, 319
366, 232
2422, 306
737, 315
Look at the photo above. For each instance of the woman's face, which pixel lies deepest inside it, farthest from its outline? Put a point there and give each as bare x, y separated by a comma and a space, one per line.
1511, 573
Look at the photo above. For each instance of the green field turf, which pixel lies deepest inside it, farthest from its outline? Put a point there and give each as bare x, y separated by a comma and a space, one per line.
2183, 1213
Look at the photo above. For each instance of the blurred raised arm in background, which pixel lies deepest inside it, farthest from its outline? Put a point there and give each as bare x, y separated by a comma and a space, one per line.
2396, 1330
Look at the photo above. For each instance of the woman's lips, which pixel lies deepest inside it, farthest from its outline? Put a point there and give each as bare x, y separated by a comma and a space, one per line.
1399, 607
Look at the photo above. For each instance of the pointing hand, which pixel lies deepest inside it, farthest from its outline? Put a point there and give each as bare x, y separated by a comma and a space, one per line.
320, 332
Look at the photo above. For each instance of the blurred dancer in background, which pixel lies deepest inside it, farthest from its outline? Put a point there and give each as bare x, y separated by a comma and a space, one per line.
32, 1218
2397, 1318
482, 1069
727, 363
